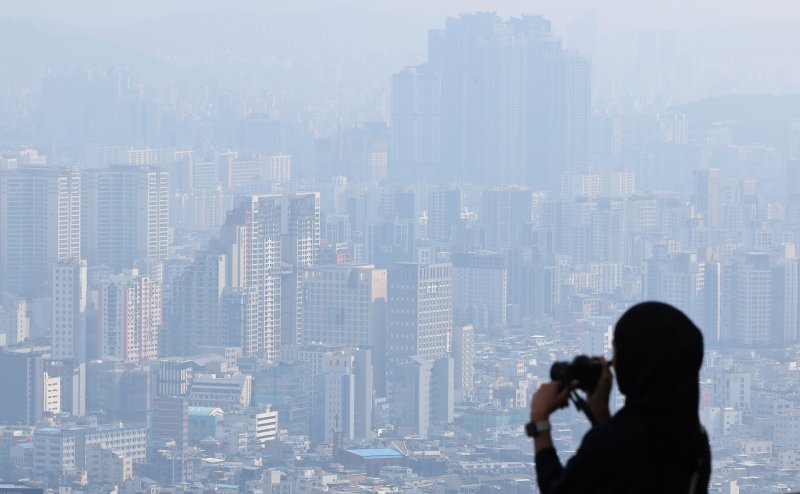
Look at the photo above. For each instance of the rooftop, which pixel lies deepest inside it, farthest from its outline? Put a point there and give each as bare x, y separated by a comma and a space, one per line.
376, 453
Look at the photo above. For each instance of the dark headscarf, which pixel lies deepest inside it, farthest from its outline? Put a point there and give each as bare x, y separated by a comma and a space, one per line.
659, 352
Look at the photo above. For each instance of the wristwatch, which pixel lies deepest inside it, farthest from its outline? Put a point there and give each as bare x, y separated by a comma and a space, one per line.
533, 429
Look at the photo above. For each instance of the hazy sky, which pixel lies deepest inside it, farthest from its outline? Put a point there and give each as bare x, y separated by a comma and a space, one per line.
614, 15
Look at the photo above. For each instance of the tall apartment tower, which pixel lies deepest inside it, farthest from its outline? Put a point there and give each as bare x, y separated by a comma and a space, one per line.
193, 312
300, 237
69, 288
509, 104
749, 299
415, 124
40, 221
126, 215
345, 305
251, 240
130, 317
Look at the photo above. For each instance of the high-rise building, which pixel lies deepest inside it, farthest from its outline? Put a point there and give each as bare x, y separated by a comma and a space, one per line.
464, 362
130, 316
40, 221
279, 168
420, 311
251, 240
504, 213
22, 388
126, 216
300, 237
69, 290
514, 105
344, 396
415, 124
708, 195
751, 300
345, 305
193, 313
480, 289
444, 210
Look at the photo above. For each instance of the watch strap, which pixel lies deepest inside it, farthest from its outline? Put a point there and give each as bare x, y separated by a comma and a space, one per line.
533, 429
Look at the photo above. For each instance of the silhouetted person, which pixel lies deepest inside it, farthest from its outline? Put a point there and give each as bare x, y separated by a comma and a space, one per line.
655, 443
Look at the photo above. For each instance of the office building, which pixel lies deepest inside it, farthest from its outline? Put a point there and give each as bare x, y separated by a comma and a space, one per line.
420, 312
345, 306
480, 289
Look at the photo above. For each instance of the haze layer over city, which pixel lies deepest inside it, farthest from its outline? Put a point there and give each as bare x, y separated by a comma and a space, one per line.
258, 247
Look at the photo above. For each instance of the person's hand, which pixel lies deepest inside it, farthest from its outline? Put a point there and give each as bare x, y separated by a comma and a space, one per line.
548, 398
597, 400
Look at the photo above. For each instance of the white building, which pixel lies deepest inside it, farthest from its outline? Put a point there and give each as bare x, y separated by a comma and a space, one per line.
279, 168
130, 316
52, 394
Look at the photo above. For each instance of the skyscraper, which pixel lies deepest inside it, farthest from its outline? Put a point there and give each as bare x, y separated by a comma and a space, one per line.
514, 105
345, 305
40, 221
300, 237
415, 124
420, 311
505, 210
69, 290
126, 215
480, 289
251, 240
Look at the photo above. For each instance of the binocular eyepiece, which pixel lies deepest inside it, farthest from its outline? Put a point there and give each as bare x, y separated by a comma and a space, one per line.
583, 369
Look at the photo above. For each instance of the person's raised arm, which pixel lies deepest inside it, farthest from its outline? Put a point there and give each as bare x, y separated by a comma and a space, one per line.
547, 399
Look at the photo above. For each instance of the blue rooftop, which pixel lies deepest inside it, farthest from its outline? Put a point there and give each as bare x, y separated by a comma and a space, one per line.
376, 453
